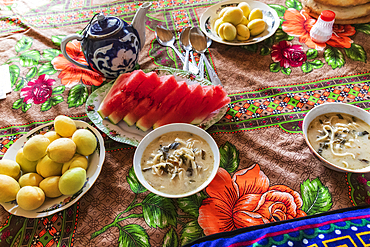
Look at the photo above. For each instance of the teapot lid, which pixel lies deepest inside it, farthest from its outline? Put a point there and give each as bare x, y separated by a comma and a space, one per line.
105, 26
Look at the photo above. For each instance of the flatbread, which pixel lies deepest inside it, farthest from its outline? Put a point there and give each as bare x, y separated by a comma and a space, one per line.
364, 19
341, 13
342, 3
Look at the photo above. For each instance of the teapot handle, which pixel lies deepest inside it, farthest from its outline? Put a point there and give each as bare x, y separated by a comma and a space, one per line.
63, 45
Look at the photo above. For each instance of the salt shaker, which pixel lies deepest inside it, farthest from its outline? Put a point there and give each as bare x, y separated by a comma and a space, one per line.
323, 28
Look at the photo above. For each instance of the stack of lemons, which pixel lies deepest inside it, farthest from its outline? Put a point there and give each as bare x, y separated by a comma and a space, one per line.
48, 165
239, 22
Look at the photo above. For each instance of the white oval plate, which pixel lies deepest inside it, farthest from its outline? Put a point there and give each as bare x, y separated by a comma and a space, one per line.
211, 14
131, 134
54, 205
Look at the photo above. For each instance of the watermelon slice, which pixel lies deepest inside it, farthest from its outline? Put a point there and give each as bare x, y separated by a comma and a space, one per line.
186, 110
168, 84
218, 100
125, 83
143, 90
148, 120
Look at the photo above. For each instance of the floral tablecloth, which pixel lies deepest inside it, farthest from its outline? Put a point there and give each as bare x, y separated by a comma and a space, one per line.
267, 173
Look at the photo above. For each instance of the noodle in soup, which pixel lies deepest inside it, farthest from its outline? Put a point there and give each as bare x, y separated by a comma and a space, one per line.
177, 162
341, 139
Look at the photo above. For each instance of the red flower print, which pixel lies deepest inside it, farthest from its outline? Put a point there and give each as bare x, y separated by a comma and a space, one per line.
246, 199
37, 91
300, 23
5, 235
288, 54
72, 74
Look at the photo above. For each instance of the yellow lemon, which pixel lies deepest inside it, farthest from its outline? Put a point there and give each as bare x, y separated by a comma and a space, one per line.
243, 31
50, 186
46, 167
256, 13
85, 141
72, 181
244, 21
227, 31
10, 168
233, 15
30, 179
245, 8
78, 160
26, 165
30, 197
52, 135
64, 126
9, 188
61, 150
256, 26
35, 148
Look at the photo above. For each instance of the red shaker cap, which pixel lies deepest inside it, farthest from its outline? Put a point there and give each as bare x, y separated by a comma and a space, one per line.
327, 15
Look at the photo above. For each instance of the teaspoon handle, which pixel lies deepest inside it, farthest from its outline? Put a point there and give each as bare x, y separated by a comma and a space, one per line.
186, 64
211, 72
193, 58
201, 66
193, 69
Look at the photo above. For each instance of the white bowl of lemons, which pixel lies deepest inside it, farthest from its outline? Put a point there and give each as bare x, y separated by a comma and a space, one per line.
239, 22
50, 168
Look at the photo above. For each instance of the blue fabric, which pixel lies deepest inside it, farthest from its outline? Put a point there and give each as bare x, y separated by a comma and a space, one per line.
349, 227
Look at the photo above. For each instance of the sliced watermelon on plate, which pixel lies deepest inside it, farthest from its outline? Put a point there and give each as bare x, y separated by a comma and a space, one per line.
168, 84
149, 119
144, 89
124, 84
186, 110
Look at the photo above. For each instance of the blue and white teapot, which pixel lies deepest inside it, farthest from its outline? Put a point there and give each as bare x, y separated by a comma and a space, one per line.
109, 44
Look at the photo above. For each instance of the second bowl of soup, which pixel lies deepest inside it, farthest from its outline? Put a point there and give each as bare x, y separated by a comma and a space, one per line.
176, 160
339, 134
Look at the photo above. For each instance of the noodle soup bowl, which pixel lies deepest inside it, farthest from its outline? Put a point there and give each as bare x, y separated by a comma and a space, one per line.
328, 108
163, 130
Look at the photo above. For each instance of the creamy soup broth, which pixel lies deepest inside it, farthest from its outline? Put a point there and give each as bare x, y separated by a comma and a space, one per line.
177, 162
341, 139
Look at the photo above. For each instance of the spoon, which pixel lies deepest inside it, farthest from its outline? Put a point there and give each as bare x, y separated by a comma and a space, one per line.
199, 42
166, 38
185, 45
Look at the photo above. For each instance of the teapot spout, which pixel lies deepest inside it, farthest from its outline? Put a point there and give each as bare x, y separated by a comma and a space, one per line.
139, 21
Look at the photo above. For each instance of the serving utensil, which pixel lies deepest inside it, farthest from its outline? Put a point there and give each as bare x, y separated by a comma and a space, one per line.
186, 46
199, 43
166, 38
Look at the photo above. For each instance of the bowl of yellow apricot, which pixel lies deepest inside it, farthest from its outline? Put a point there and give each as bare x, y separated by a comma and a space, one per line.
239, 22
50, 168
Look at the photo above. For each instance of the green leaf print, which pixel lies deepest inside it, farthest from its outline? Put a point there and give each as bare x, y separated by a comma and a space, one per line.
280, 10
29, 58
316, 197
31, 73
56, 100
57, 39
133, 235
191, 204
50, 54
316, 64
26, 107
21, 83
265, 51
306, 67
24, 44
334, 57
134, 183
295, 4
17, 104
192, 231
311, 54
286, 71
170, 239
252, 48
14, 73
77, 96
229, 157
58, 90
356, 53
365, 28
46, 105
159, 211
47, 68
275, 67
280, 35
